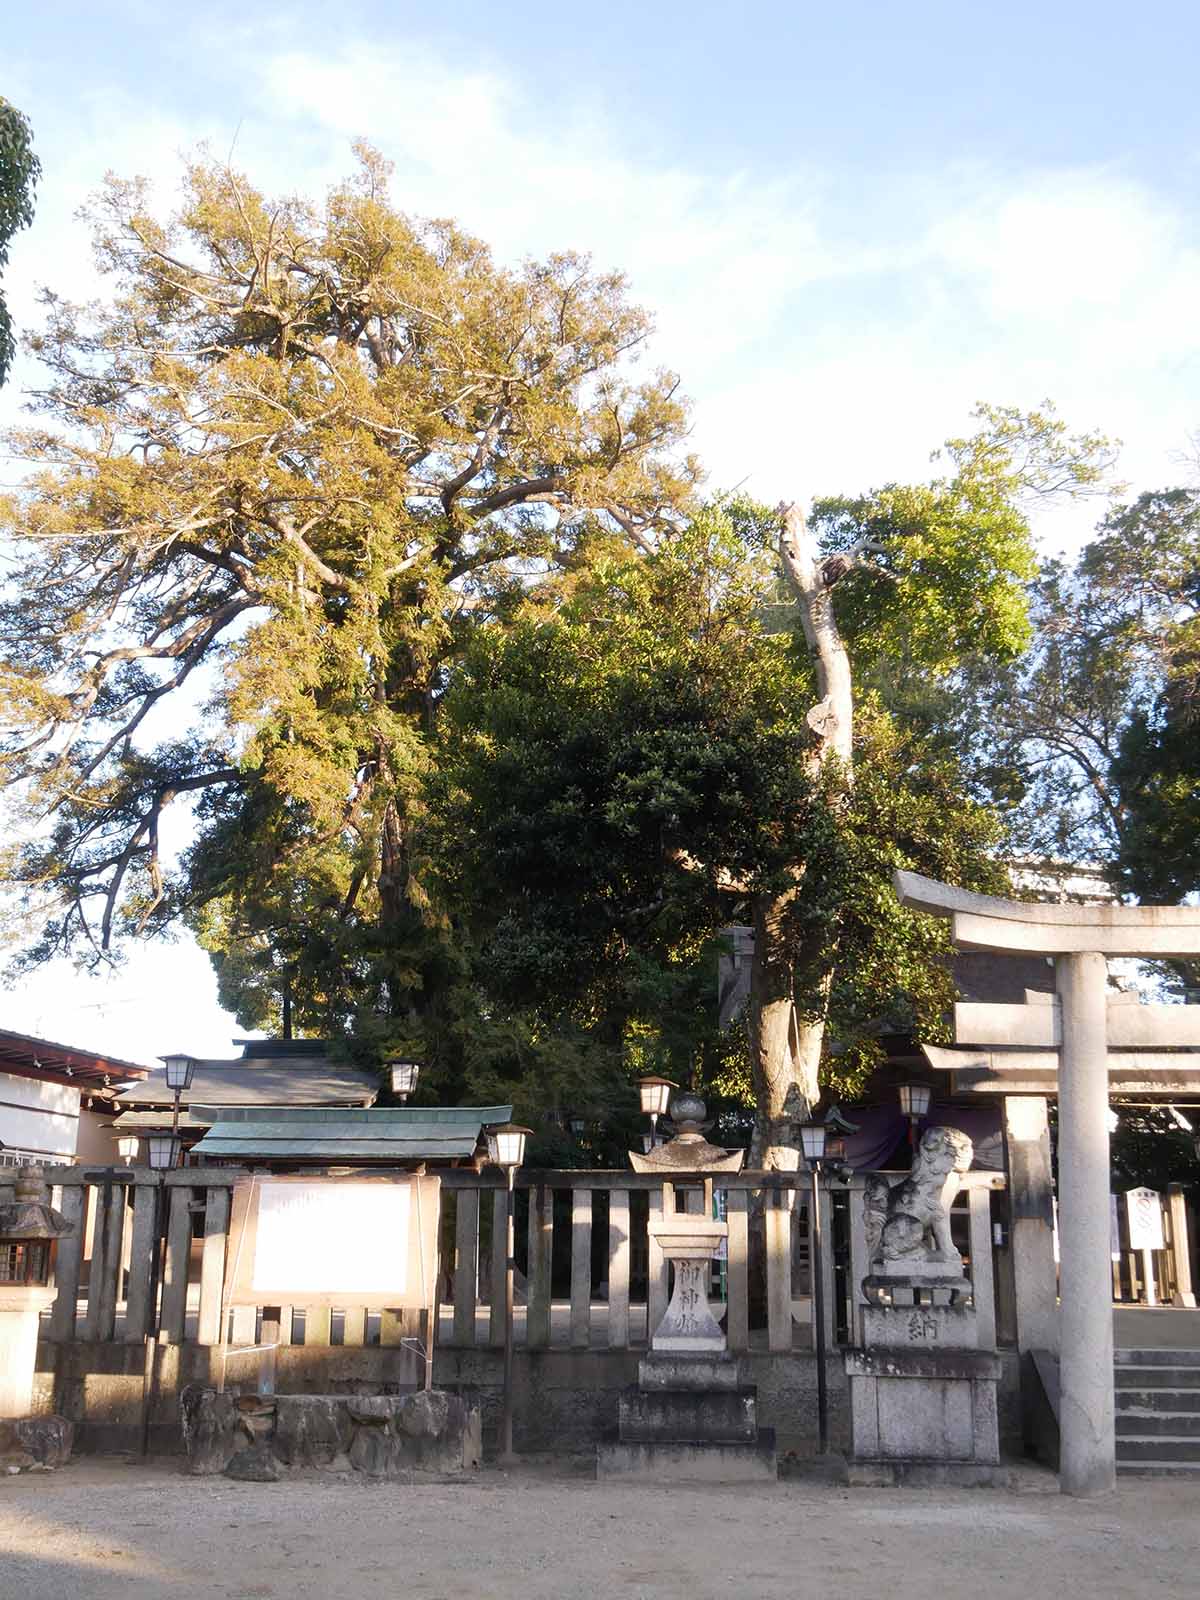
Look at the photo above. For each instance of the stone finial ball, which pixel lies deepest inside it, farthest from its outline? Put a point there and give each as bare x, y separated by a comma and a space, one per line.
687, 1107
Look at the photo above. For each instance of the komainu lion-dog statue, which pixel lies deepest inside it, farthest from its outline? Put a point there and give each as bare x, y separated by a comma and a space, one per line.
911, 1222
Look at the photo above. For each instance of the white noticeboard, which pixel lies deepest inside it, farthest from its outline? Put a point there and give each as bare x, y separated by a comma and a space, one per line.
326, 1239
1143, 1210
318, 1242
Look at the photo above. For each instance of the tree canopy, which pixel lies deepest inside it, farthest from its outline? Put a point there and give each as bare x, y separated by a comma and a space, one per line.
290, 465
20, 170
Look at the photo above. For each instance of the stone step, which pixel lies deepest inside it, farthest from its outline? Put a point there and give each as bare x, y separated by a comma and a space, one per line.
1159, 1469
1158, 1377
1158, 1398
1157, 1447
1179, 1424
690, 1463
664, 1416
1137, 1357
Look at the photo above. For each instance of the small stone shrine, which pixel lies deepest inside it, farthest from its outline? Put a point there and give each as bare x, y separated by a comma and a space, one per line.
922, 1391
689, 1417
29, 1231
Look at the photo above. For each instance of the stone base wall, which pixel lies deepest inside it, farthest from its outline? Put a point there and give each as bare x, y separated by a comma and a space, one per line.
261, 1438
564, 1400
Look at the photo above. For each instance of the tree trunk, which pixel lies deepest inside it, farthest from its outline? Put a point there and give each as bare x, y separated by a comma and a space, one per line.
785, 1050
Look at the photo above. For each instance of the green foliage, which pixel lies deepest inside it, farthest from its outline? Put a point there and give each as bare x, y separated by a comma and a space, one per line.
618, 778
1091, 738
20, 170
291, 466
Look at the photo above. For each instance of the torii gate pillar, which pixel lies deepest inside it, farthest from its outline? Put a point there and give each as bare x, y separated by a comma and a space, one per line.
1080, 939
1086, 1429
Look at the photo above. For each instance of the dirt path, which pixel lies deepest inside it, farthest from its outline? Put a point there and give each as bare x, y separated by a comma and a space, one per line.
104, 1530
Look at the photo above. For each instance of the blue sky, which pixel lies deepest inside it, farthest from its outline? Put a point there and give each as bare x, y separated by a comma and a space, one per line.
850, 223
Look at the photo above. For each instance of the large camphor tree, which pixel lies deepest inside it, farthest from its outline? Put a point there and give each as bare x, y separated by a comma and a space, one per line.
283, 472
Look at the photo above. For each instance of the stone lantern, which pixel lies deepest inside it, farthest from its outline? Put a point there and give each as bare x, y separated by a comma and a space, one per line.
29, 1231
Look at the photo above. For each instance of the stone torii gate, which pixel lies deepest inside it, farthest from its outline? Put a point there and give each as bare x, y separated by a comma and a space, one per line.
1080, 939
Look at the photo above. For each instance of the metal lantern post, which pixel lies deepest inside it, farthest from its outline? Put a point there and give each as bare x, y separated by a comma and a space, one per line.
655, 1096
812, 1138
162, 1152
914, 1103
180, 1070
506, 1149
404, 1078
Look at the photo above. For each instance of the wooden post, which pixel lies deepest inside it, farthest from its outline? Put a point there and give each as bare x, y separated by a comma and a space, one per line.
466, 1258
212, 1268
618, 1269
143, 1274
270, 1339
66, 1267
541, 1241
581, 1268
106, 1263
777, 1218
173, 1321
737, 1316
501, 1199
860, 1267
1180, 1246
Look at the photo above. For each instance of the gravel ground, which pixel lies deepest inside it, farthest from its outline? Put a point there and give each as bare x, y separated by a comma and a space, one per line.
107, 1530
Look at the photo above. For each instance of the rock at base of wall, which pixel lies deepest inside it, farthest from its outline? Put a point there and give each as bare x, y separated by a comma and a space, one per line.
27, 1443
256, 1464
380, 1436
311, 1431
212, 1428
47, 1439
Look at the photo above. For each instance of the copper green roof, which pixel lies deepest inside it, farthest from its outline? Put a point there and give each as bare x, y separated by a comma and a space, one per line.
303, 1133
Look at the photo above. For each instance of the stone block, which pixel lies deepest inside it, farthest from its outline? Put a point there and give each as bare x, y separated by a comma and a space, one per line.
311, 1430
426, 1415
922, 1418
689, 1462
375, 1452
213, 1430
667, 1416
667, 1371
920, 1327
48, 1439
927, 1475
256, 1464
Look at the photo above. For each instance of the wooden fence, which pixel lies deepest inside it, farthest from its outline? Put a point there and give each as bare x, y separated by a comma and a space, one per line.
591, 1276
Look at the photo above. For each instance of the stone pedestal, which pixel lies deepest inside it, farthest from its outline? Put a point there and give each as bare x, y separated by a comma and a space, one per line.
923, 1398
689, 1243
689, 1420
20, 1307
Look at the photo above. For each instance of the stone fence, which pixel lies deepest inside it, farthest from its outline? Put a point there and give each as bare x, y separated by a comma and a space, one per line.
139, 1312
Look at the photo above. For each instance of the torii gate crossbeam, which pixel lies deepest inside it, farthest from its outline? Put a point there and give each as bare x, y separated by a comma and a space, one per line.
1080, 939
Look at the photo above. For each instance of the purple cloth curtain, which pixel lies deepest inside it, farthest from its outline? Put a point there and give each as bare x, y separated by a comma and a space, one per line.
882, 1128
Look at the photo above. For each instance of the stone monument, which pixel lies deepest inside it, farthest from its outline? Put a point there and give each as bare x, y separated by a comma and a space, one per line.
689, 1417
922, 1391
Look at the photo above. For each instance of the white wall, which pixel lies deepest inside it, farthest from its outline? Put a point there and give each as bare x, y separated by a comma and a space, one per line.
40, 1117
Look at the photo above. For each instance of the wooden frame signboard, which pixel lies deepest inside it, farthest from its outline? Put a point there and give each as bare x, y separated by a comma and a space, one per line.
365, 1241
